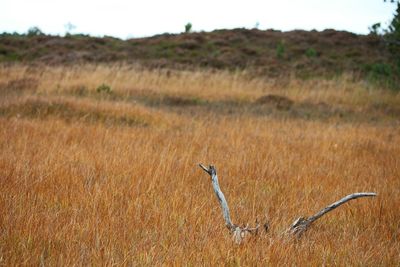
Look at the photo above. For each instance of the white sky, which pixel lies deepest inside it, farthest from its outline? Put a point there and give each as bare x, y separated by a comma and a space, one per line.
127, 19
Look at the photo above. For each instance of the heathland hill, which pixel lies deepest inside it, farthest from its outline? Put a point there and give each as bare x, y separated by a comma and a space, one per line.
269, 52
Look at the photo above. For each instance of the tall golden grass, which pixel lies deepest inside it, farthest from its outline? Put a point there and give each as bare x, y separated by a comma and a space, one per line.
88, 178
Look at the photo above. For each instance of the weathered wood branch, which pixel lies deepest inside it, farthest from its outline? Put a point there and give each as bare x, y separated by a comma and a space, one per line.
220, 196
300, 225
297, 228
239, 232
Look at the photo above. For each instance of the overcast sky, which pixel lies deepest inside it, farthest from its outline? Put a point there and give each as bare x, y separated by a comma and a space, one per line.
127, 19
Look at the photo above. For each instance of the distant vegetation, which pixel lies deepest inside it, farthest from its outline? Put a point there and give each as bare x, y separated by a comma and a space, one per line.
34, 31
382, 71
188, 27
280, 49
265, 53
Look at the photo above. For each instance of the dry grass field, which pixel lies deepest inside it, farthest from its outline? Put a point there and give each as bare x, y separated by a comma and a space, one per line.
108, 175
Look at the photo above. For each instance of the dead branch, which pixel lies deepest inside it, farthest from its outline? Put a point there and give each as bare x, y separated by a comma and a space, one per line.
300, 225
238, 232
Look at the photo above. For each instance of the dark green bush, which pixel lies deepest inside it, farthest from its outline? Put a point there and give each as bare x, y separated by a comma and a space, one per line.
384, 74
381, 69
104, 88
188, 27
34, 31
311, 52
280, 49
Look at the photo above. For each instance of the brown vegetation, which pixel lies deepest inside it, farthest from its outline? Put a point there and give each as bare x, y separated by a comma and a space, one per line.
92, 177
272, 53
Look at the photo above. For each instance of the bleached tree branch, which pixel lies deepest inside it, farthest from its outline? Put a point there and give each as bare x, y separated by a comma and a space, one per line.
238, 232
220, 196
297, 228
300, 225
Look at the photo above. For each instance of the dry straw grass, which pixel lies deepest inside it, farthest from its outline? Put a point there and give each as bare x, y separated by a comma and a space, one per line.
84, 189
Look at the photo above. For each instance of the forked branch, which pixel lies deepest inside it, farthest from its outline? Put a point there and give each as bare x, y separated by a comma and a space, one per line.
300, 225
297, 228
239, 232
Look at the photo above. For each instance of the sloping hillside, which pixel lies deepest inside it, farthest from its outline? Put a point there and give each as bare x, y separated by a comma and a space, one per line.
267, 52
